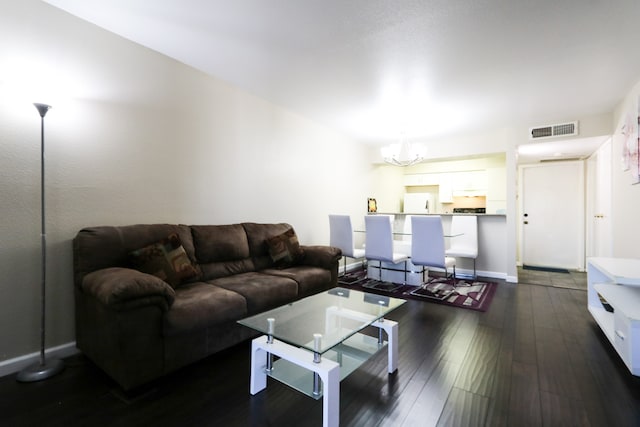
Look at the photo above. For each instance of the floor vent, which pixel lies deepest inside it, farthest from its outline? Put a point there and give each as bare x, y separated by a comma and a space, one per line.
550, 131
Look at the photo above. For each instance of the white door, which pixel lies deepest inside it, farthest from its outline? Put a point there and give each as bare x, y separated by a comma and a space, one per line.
601, 220
552, 215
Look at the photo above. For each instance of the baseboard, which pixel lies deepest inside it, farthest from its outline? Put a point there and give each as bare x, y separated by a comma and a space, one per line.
10, 366
482, 273
354, 266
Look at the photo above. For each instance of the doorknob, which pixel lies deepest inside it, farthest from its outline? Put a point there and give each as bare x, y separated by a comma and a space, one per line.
526, 222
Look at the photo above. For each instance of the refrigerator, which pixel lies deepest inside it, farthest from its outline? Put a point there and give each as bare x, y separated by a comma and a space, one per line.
418, 203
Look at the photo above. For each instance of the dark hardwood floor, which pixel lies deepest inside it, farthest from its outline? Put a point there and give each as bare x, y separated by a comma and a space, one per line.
534, 358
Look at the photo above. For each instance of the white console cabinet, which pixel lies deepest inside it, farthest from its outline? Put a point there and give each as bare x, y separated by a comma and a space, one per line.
617, 280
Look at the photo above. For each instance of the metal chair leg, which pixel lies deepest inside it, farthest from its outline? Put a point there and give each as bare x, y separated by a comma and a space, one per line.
405, 273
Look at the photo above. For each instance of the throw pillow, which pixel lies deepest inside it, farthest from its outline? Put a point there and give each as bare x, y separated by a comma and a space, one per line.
284, 249
165, 259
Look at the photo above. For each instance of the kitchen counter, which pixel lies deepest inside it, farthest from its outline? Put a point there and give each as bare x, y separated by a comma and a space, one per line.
441, 214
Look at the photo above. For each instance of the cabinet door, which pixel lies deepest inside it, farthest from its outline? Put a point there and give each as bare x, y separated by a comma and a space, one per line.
445, 190
468, 180
622, 340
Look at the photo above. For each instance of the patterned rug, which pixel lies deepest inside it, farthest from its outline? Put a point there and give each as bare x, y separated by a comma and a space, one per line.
469, 294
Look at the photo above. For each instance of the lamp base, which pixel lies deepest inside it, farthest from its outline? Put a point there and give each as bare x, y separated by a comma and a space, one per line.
39, 371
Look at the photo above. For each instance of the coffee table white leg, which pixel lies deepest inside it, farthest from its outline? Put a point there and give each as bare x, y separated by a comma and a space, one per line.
391, 328
328, 370
331, 398
258, 380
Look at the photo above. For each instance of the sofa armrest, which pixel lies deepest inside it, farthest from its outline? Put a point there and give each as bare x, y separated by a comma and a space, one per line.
125, 288
321, 256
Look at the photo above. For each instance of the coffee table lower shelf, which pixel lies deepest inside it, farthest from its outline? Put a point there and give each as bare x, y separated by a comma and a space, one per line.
297, 364
350, 355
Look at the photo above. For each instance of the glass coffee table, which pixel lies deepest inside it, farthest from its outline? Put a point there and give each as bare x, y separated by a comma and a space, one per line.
313, 343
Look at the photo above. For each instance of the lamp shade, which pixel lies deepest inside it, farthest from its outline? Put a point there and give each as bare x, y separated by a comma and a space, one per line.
42, 108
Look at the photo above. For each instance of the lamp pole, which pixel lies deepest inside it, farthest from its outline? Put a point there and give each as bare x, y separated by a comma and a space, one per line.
43, 369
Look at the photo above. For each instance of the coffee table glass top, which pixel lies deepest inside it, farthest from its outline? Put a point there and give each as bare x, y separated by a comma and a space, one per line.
335, 314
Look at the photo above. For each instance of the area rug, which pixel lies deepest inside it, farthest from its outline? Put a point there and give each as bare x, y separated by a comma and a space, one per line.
468, 294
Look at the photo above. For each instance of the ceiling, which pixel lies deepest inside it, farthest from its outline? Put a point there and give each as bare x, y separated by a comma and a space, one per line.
376, 69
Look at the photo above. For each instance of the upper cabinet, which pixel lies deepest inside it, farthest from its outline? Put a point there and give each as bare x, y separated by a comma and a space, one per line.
452, 184
470, 183
418, 179
490, 182
445, 190
456, 181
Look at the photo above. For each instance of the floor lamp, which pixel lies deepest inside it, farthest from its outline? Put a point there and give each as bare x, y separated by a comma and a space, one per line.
44, 368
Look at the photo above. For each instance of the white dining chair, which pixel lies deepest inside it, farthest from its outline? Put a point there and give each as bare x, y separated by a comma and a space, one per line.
341, 236
379, 243
427, 244
464, 240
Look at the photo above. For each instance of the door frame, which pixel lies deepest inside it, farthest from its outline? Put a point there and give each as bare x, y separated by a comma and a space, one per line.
582, 241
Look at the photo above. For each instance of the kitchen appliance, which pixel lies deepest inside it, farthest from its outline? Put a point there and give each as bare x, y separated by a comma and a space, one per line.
470, 210
417, 203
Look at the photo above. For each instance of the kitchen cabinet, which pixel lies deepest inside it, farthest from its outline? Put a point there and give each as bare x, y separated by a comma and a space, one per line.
461, 184
455, 184
469, 181
445, 190
418, 179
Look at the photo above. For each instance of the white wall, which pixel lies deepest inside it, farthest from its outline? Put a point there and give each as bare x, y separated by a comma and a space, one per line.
139, 138
625, 198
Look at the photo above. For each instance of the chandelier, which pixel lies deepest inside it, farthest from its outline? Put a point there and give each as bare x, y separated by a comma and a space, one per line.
403, 153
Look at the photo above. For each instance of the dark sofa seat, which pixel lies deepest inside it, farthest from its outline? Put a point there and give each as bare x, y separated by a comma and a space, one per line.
137, 327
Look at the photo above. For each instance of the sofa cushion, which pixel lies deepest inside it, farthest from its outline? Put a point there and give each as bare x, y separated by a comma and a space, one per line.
218, 243
199, 305
221, 250
284, 249
310, 280
261, 291
165, 259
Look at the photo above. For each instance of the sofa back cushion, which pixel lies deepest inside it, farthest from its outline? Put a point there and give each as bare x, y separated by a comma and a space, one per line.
217, 250
221, 250
95, 248
257, 235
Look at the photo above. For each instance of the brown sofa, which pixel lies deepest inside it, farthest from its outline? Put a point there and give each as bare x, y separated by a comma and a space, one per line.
137, 327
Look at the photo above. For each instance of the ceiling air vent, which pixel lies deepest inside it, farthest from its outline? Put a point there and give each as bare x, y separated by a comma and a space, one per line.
550, 131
